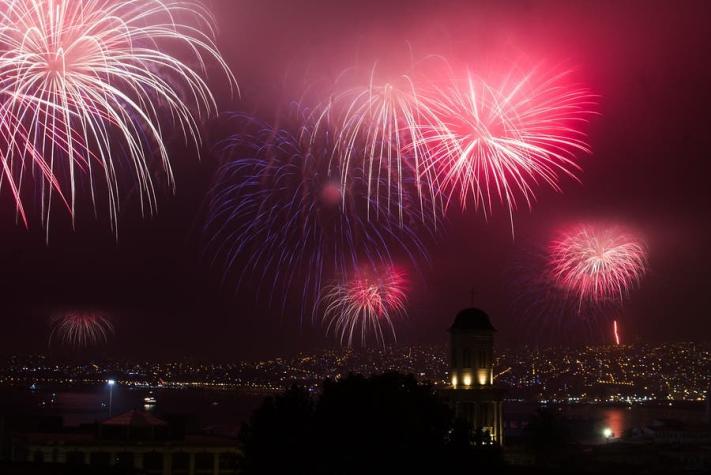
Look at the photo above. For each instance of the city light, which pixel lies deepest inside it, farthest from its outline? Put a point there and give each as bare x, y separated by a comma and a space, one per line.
607, 432
111, 382
629, 374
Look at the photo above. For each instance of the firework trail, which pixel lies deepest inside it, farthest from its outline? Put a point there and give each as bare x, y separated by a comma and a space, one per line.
280, 215
369, 301
84, 85
81, 329
615, 332
597, 263
377, 134
494, 143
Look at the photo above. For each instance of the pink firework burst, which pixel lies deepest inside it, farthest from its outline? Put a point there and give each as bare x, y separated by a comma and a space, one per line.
597, 263
376, 125
368, 300
493, 143
89, 90
81, 329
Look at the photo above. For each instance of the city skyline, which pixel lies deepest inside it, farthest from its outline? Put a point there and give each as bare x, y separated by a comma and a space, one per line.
627, 374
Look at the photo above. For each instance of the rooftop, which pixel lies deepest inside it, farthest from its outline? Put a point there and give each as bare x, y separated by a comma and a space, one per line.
472, 319
135, 418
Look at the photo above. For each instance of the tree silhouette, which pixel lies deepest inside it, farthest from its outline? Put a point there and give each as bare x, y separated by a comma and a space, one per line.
383, 423
277, 437
547, 435
386, 421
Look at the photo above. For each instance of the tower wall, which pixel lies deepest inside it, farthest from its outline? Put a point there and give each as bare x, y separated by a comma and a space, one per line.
471, 359
472, 394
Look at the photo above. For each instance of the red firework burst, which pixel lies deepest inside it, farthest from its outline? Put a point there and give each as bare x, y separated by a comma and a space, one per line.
81, 329
597, 263
369, 300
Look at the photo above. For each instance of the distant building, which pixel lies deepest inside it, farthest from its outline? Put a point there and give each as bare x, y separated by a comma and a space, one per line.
472, 393
134, 441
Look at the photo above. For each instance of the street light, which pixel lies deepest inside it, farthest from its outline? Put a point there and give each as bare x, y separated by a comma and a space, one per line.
607, 433
111, 383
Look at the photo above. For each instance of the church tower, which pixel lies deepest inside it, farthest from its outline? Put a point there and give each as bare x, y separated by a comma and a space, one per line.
472, 393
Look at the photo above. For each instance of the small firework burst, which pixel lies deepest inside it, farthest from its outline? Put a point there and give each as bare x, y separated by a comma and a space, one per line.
81, 329
366, 302
597, 263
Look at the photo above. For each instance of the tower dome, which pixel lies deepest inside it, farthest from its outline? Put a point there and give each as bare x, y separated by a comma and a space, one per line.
472, 319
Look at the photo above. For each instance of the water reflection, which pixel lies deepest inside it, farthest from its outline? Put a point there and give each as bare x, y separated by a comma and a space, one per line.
618, 420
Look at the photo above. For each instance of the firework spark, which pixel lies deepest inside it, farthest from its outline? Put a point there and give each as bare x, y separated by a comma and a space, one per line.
284, 218
84, 86
369, 301
495, 143
597, 263
81, 329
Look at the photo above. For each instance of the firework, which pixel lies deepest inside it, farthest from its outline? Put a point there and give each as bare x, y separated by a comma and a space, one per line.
597, 263
493, 143
368, 301
85, 85
615, 332
81, 329
377, 134
283, 217
550, 312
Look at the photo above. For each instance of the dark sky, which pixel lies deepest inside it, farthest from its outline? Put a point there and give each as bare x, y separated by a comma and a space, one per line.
649, 62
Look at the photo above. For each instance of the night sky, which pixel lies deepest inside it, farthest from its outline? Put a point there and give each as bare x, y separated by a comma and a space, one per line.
650, 168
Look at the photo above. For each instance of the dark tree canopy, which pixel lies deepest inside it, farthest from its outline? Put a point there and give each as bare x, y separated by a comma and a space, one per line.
386, 419
277, 437
383, 423
547, 430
